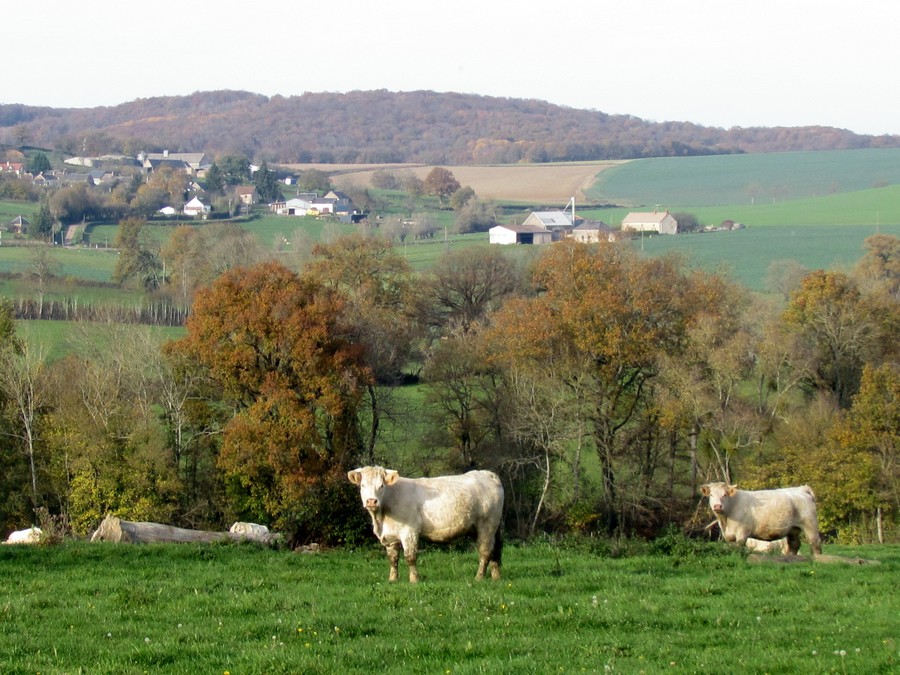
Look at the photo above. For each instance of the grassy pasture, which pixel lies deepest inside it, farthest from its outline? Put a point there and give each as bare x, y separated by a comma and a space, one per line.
9, 210
56, 339
693, 608
77, 262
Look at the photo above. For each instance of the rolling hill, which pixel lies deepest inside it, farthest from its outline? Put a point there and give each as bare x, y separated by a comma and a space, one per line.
381, 126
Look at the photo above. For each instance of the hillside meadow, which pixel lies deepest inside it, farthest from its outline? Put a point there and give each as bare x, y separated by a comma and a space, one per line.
674, 605
816, 208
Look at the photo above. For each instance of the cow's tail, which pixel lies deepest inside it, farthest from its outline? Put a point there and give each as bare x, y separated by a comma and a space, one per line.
497, 550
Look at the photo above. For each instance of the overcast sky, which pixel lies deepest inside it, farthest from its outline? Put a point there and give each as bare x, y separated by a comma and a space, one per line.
713, 62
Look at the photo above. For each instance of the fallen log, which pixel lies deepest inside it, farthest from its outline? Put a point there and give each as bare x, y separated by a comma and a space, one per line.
757, 558
845, 560
114, 529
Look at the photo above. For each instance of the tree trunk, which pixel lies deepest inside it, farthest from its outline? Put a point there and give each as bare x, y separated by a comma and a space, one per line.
122, 531
879, 525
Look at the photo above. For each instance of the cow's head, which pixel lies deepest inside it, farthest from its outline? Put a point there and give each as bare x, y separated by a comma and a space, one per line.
718, 494
371, 481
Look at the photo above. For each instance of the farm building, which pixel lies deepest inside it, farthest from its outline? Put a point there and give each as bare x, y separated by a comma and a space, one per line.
664, 223
559, 223
192, 163
520, 234
593, 231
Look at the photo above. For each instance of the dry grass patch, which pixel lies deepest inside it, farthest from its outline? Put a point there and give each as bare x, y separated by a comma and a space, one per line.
532, 183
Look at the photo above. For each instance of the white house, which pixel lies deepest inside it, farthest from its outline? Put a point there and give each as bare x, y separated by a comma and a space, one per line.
664, 223
297, 206
195, 208
593, 231
520, 234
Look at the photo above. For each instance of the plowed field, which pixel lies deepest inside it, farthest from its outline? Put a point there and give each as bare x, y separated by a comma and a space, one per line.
552, 184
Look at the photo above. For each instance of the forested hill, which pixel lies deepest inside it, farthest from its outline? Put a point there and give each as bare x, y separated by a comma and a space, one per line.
382, 126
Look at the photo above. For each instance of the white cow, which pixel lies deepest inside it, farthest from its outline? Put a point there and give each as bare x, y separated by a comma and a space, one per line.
437, 509
765, 514
760, 546
30, 536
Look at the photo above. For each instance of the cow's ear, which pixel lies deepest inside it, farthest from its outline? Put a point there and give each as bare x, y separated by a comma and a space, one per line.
390, 477
731, 490
355, 476
704, 490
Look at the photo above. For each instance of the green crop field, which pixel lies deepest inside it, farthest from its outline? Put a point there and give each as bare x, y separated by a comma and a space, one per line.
745, 179
591, 606
747, 254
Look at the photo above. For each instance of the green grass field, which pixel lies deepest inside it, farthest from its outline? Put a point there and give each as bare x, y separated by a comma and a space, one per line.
694, 608
746, 254
746, 179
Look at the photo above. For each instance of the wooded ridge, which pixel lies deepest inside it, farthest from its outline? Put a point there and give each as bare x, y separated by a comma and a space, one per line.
382, 127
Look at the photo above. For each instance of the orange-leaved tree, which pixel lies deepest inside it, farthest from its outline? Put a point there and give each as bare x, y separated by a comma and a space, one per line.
274, 342
606, 315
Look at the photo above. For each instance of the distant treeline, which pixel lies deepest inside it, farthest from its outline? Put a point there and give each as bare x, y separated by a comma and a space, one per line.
385, 127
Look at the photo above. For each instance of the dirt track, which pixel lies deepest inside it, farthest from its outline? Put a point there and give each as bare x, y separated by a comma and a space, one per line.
551, 184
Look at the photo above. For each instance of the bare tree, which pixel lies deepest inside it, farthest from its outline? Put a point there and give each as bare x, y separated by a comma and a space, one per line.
22, 384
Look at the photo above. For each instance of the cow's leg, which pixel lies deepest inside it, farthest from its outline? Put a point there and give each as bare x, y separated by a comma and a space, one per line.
393, 554
815, 541
486, 554
793, 542
410, 552
497, 554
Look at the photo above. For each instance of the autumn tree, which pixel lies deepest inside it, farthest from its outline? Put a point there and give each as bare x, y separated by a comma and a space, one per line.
829, 312
136, 261
461, 404
313, 180
461, 197
612, 314
465, 285
881, 263
107, 451
784, 277
545, 418
385, 180
195, 257
476, 215
378, 286
441, 183
871, 427
170, 183
235, 169
276, 344
74, 204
